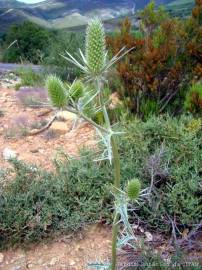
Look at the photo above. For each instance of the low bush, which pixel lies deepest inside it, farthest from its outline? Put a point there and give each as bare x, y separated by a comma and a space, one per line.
37, 202
149, 260
32, 96
193, 101
164, 62
161, 150
166, 151
29, 78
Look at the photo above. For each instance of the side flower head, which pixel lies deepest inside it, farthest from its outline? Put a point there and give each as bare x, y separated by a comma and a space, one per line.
133, 189
95, 46
56, 91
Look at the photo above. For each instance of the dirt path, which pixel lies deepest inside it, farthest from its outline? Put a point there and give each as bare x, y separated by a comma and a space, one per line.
65, 253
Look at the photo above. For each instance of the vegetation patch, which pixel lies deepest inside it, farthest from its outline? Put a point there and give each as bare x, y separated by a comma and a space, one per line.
37, 203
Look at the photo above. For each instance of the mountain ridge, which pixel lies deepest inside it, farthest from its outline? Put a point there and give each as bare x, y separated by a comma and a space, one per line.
60, 14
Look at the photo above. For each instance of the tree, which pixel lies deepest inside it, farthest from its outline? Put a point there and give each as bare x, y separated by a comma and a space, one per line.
31, 43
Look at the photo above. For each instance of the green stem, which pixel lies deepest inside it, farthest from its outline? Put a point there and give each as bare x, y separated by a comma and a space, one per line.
116, 164
115, 228
87, 119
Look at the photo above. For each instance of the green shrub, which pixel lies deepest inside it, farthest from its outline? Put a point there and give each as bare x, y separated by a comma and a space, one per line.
61, 42
193, 101
29, 78
37, 203
149, 260
30, 46
177, 170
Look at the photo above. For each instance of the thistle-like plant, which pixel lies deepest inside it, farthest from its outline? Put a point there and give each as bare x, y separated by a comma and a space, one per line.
85, 103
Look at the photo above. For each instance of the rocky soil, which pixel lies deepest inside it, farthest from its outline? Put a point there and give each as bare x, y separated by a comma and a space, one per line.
64, 253
16, 121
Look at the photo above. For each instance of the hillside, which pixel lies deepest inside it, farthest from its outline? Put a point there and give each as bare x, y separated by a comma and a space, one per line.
59, 14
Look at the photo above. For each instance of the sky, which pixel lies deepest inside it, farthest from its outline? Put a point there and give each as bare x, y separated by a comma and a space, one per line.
30, 1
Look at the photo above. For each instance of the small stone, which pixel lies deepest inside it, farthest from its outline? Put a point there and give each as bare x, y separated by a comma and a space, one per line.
18, 267
66, 116
71, 262
30, 265
9, 153
59, 127
53, 261
149, 236
1, 258
40, 261
35, 150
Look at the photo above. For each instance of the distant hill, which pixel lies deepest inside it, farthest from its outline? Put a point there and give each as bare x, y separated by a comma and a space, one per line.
59, 14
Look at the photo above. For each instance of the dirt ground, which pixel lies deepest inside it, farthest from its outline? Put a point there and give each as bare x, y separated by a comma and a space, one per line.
65, 253
38, 149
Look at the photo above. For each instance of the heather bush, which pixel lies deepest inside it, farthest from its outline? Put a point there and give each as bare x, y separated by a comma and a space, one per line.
18, 127
32, 96
165, 60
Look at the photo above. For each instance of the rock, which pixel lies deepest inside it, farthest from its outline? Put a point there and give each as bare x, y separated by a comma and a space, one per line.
149, 236
59, 127
1, 258
8, 80
115, 101
66, 116
30, 265
53, 261
18, 267
35, 150
9, 153
71, 262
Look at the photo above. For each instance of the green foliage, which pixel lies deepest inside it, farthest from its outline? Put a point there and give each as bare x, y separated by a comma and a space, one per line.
176, 191
30, 46
193, 101
152, 17
149, 107
61, 42
149, 260
37, 203
56, 91
133, 189
95, 46
29, 78
38, 45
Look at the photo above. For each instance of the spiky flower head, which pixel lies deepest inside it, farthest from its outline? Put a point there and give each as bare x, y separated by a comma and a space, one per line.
95, 47
133, 189
56, 91
76, 89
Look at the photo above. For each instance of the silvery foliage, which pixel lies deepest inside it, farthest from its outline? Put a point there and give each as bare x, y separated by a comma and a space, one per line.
98, 77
